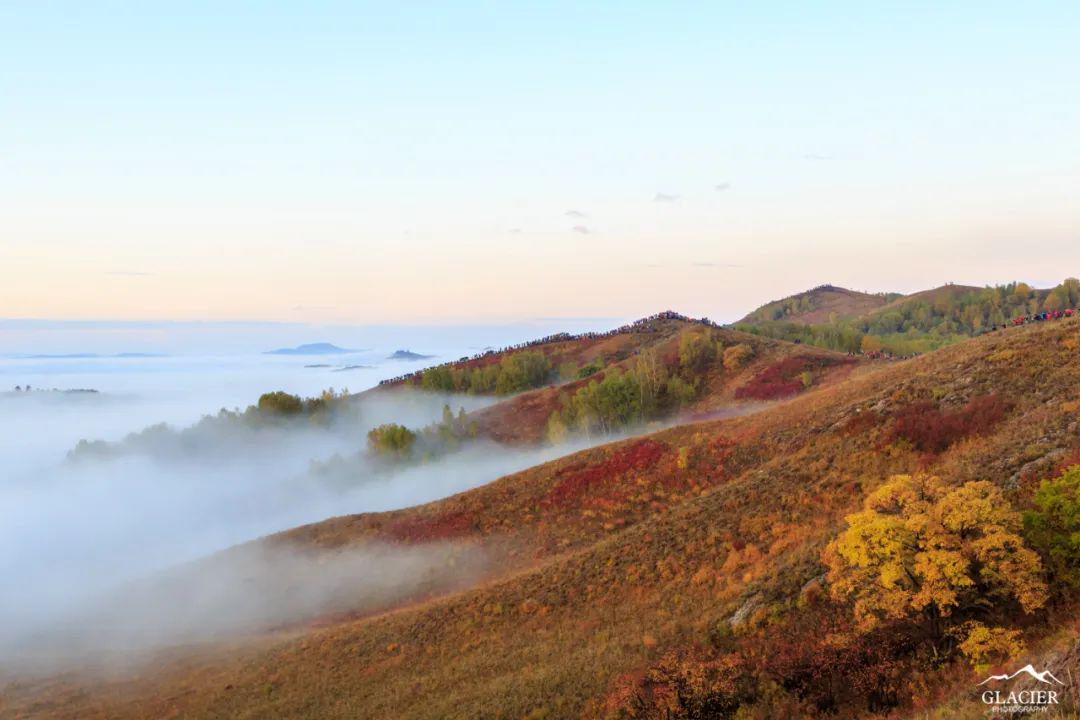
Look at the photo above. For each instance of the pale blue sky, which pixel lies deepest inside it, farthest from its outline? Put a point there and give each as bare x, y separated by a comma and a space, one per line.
363, 162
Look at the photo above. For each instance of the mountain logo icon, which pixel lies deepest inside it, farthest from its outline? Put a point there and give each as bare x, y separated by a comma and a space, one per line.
1044, 677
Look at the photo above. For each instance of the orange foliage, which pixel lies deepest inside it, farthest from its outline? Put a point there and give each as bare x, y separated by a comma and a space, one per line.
686, 683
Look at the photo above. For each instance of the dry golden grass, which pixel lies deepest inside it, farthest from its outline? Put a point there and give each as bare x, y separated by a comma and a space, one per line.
607, 559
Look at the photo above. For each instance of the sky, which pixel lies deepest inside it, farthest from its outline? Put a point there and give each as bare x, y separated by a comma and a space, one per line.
354, 162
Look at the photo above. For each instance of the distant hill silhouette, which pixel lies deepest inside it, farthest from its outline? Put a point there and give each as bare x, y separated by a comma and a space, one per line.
408, 355
311, 349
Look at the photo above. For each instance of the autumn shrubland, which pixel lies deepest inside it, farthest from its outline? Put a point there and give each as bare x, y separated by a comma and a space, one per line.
869, 542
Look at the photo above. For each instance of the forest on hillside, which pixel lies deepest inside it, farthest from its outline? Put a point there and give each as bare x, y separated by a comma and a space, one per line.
919, 324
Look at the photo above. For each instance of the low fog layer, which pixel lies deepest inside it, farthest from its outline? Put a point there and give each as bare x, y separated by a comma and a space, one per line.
83, 543
249, 589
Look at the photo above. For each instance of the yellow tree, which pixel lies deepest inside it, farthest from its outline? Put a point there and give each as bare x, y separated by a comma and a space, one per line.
870, 344
924, 550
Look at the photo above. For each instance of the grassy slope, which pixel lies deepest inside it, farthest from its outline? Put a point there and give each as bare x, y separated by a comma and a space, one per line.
610, 557
819, 305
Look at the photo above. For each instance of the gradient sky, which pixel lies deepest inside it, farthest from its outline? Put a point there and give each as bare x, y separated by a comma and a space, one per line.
439, 162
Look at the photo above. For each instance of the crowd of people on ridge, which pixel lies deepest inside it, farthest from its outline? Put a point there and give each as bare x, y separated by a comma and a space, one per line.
1016, 322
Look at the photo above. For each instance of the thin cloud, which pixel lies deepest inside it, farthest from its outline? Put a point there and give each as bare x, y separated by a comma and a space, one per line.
665, 198
580, 229
128, 273
721, 187
514, 231
714, 265
816, 156
575, 214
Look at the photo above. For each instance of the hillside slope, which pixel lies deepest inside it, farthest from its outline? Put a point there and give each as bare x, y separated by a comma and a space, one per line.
825, 303
919, 322
649, 351
773, 371
700, 539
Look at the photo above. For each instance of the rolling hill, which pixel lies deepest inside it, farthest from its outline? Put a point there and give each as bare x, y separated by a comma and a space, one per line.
825, 303
903, 324
678, 574
770, 370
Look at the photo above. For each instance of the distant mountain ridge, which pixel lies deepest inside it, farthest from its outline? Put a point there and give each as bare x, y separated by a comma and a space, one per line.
321, 348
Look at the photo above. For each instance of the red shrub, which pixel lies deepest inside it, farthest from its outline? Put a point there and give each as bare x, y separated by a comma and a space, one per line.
577, 480
444, 526
1072, 457
930, 429
822, 660
782, 378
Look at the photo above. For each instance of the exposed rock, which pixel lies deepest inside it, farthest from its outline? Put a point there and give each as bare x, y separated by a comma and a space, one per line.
743, 613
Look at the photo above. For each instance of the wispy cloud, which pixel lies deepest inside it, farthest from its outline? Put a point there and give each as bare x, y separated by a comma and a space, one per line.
703, 264
693, 264
665, 198
721, 187
575, 214
514, 231
816, 156
580, 229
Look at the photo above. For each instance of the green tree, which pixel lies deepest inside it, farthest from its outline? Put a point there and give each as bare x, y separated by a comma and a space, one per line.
651, 377
608, 404
280, 403
557, 431
680, 392
392, 440
697, 351
1054, 526
522, 371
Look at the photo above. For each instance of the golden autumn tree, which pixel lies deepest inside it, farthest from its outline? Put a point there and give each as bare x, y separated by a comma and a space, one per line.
924, 550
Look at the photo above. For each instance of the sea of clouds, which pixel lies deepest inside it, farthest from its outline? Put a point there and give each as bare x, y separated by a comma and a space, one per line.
77, 536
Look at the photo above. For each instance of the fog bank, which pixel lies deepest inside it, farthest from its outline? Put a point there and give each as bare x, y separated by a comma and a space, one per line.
83, 543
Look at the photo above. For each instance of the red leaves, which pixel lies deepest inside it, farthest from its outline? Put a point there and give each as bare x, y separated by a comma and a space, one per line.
932, 430
782, 378
443, 526
577, 480
822, 660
